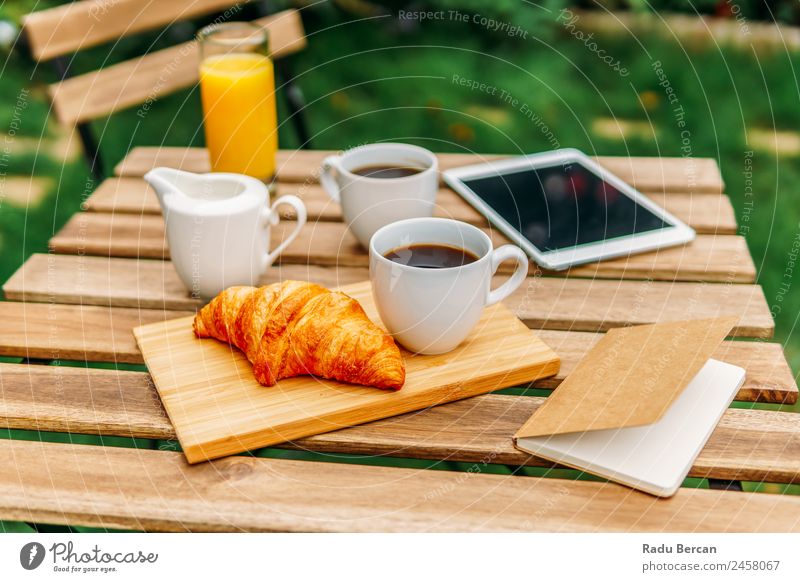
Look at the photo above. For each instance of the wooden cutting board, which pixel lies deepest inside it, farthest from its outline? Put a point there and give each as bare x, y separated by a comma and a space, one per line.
218, 408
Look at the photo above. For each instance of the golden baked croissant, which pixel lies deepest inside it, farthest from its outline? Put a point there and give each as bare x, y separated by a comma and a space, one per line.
296, 328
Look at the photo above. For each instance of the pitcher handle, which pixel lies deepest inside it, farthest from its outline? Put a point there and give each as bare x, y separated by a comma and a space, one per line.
272, 218
498, 256
327, 179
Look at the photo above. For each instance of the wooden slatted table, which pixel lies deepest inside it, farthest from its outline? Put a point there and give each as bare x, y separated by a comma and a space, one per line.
109, 272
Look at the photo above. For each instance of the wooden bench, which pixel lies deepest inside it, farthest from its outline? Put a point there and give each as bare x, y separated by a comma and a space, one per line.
58, 32
81, 302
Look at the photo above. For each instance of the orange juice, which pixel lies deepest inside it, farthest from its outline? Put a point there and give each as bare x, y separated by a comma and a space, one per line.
241, 125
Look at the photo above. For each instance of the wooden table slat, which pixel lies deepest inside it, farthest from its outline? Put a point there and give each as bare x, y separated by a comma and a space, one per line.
752, 445
156, 490
542, 302
706, 213
75, 332
71, 332
646, 174
708, 258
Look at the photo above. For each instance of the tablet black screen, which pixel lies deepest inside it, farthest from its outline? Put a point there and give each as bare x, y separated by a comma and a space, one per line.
563, 206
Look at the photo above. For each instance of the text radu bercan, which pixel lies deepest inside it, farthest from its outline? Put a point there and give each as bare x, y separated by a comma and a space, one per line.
677, 549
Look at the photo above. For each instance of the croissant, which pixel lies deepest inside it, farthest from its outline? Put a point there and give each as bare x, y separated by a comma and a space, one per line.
296, 328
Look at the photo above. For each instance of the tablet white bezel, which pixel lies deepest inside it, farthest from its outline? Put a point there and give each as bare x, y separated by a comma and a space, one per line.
675, 234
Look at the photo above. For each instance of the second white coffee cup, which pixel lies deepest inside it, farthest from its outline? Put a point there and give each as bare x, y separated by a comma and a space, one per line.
368, 203
432, 310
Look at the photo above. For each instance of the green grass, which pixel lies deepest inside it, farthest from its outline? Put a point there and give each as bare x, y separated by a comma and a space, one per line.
378, 80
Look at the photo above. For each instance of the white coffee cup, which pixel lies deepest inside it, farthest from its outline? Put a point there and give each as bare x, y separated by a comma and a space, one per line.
218, 227
369, 203
429, 310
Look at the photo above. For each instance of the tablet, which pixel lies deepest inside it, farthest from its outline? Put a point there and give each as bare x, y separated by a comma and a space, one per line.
564, 209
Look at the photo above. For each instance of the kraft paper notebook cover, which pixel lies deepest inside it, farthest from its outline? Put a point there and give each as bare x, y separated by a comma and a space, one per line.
640, 406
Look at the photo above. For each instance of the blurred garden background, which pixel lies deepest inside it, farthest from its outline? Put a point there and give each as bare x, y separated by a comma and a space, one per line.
378, 71
586, 72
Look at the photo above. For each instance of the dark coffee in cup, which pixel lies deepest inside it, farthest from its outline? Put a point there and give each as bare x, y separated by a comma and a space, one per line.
381, 183
431, 256
428, 308
386, 172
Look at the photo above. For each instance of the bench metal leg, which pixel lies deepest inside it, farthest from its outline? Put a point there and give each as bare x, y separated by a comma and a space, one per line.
91, 150
291, 90
90, 147
296, 103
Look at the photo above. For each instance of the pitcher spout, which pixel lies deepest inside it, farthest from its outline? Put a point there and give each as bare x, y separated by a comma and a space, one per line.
169, 181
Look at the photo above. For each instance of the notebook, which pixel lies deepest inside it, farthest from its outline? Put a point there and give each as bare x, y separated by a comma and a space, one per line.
640, 407
657, 457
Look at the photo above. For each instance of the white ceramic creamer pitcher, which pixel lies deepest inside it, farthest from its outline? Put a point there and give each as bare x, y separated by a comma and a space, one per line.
218, 227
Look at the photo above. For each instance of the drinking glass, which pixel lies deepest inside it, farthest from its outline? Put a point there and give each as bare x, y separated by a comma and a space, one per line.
237, 87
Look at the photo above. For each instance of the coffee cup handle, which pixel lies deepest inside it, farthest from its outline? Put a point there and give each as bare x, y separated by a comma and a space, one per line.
499, 255
271, 218
327, 179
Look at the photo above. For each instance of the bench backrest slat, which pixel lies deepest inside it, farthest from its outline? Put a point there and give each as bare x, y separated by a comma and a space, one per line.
76, 26
140, 81
145, 79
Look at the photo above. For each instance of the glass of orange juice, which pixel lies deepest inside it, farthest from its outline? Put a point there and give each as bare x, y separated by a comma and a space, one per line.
237, 87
